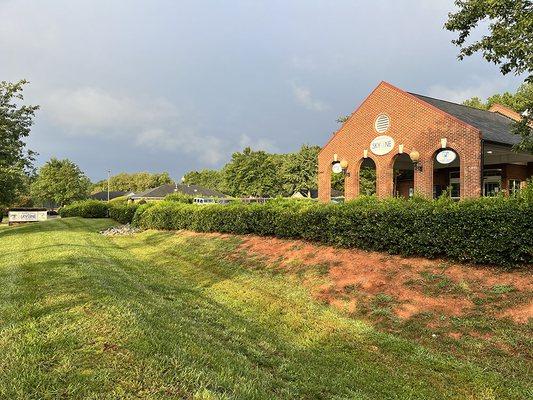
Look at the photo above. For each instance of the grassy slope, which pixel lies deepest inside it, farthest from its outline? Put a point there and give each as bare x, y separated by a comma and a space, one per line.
162, 315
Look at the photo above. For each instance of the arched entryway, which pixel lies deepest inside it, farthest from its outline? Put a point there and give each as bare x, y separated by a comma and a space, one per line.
367, 177
337, 186
446, 174
403, 176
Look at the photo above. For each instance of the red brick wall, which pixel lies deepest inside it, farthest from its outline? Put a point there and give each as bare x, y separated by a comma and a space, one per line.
506, 111
413, 123
511, 171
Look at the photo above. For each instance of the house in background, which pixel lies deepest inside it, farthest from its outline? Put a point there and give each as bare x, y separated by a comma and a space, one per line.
160, 192
313, 194
112, 195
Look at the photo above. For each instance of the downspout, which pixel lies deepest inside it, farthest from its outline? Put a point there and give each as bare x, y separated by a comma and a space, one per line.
482, 165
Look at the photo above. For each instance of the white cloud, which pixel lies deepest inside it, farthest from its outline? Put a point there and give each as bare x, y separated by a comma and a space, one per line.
458, 95
208, 149
257, 144
304, 97
154, 124
92, 109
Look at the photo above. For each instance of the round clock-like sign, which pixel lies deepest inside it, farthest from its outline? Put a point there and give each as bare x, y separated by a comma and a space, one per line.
336, 168
446, 156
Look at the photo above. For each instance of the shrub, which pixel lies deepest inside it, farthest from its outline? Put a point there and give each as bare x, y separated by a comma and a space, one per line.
487, 230
180, 198
119, 200
122, 213
85, 209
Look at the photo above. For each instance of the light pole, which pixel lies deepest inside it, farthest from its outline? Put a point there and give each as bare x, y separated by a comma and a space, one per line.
108, 183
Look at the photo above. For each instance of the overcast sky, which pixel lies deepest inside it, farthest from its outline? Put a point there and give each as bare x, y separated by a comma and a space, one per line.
180, 85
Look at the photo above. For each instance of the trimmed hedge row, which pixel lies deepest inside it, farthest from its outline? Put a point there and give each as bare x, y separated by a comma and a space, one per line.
119, 211
486, 231
122, 213
85, 209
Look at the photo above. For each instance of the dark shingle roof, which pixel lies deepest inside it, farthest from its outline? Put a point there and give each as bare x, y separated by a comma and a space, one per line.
314, 193
192, 190
103, 195
494, 127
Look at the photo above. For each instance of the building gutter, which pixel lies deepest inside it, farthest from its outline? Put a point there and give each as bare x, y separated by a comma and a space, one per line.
482, 165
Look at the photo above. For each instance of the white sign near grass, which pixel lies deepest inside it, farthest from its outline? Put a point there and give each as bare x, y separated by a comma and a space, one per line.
26, 216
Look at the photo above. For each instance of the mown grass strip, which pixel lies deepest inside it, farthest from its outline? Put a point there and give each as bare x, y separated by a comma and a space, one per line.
165, 315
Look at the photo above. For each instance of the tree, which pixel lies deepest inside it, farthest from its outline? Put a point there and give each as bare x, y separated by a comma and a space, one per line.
136, 182
342, 119
16, 161
517, 102
208, 178
367, 181
509, 43
252, 173
300, 170
60, 182
475, 102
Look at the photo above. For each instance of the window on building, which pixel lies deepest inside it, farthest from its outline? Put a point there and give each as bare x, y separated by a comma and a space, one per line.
492, 182
455, 185
514, 186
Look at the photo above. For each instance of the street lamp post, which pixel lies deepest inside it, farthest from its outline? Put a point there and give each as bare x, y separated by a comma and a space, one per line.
108, 182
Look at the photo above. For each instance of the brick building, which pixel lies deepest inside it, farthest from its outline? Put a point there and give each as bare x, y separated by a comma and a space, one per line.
419, 144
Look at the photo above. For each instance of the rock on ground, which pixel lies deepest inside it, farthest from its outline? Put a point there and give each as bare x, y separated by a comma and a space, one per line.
120, 230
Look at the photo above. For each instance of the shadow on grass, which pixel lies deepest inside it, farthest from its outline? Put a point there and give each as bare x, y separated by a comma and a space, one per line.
184, 318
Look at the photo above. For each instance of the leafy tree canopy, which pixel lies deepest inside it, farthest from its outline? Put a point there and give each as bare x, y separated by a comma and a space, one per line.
508, 44
518, 101
135, 182
253, 173
258, 173
60, 182
299, 171
208, 178
509, 41
16, 161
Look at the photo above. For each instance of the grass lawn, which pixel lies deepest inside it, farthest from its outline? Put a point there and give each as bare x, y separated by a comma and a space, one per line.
172, 315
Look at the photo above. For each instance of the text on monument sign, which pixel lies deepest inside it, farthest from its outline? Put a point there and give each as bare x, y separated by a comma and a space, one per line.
382, 145
26, 216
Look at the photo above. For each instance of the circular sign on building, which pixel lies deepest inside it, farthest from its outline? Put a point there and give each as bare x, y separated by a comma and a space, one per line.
336, 168
382, 145
446, 156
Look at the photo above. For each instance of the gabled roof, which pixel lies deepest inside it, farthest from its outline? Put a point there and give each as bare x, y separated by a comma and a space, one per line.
494, 127
103, 195
192, 190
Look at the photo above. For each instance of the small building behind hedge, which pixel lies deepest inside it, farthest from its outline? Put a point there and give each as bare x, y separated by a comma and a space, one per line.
160, 192
419, 144
103, 195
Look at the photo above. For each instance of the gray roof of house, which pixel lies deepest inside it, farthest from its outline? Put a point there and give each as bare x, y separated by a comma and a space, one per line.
192, 190
314, 193
103, 195
494, 127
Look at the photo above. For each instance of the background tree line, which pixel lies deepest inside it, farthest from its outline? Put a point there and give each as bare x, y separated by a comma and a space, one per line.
518, 101
258, 173
135, 182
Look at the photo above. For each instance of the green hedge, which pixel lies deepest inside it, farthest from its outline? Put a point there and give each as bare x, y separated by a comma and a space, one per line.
487, 231
119, 211
85, 209
122, 213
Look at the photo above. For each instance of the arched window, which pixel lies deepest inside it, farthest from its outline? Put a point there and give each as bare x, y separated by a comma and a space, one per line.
403, 175
446, 174
367, 177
